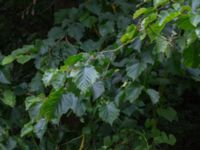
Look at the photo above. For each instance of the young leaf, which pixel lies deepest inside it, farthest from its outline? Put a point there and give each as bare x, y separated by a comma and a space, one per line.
22, 59
8, 59
109, 113
139, 12
27, 128
167, 16
159, 2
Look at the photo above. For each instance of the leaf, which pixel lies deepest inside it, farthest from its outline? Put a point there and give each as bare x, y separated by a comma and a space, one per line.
56, 33
24, 50
27, 128
135, 70
22, 59
147, 20
159, 2
3, 78
72, 60
167, 16
48, 76
109, 113
132, 93
40, 128
11, 144
191, 55
154, 31
52, 104
168, 113
139, 12
154, 95
163, 138
70, 101
9, 98
32, 100
197, 31
90, 45
98, 89
172, 139
162, 45
58, 104
76, 31
8, 59
58, 80
85, 77
36, 84
106, 28
195, 19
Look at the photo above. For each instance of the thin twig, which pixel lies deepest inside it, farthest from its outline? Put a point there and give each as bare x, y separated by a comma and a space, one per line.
118, 48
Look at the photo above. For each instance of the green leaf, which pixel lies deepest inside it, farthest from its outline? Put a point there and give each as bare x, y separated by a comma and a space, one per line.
162, 45
154, 95
3, 78
22, 59
159, 2
87, 20
56, 33
195, 19
58, 104
32, 100
76, 31
197, 31
85, 77
53, 104
27, 128
154, 31
106, 28
132, 93
8, 59
167, 16
98, 89
58, 80
48, 76
40, 128
139, 12
191, 55
147, 20
109, 113
163, 138
135, 70
71, 61
26, 49
168, 113
9, 98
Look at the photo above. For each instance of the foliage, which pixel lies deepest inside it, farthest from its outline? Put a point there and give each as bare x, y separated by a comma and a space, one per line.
101, 80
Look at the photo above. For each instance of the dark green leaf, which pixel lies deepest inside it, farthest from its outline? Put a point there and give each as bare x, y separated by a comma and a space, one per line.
154, 95
135, 70
109, 113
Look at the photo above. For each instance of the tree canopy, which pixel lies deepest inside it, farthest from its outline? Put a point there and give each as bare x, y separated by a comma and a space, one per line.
99, 75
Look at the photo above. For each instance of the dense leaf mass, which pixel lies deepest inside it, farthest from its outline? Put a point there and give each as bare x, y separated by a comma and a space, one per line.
106, 75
